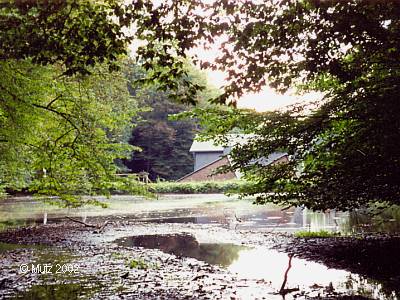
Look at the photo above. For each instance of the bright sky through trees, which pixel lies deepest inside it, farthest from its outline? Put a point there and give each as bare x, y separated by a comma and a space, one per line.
265, 100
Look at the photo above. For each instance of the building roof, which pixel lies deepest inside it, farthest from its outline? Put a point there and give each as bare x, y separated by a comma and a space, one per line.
206, 146
210, 146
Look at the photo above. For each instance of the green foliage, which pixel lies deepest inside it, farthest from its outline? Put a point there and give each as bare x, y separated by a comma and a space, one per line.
376, 218
316, 234
343, 150
77, 34
165, 187
62, 132
61, 135
164, 143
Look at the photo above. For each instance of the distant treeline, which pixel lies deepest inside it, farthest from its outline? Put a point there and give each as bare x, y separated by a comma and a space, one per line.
165, 143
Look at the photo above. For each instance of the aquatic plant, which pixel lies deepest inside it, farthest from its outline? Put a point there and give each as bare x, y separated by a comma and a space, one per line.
316, 234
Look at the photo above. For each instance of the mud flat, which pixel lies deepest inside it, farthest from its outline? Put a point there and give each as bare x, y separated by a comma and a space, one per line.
127, 259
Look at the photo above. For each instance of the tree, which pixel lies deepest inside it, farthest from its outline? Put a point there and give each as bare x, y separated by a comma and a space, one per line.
164, 143
63, 115
344, 150
76, 34
61, 135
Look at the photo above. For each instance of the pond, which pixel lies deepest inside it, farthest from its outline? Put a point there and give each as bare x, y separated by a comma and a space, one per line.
202, 209
205, 228
265, 265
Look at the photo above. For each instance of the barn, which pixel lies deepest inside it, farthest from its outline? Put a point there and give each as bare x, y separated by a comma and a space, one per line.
208, 156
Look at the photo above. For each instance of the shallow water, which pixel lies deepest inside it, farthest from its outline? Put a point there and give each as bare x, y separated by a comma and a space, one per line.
263, 265
54, 291
186, 245
254, 266
201, 209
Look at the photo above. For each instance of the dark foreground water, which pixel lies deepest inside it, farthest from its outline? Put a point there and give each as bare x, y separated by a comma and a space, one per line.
265, 265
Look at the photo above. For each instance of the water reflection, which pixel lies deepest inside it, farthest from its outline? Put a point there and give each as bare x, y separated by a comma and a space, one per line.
70, 291
186, 245
373, 220
269, 264
205, 209
267, 267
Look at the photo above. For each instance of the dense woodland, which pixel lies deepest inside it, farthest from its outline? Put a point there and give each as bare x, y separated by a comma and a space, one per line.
164, 143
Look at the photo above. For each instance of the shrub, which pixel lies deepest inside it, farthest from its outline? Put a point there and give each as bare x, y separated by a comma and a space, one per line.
164, 187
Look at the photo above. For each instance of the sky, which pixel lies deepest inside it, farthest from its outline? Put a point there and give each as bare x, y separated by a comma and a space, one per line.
265, 100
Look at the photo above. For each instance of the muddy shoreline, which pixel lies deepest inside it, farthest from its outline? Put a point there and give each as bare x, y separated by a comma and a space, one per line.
105, 271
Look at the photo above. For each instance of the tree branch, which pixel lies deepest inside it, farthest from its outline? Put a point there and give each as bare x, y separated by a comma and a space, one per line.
99, 228
284, 291
81, 222
63, 115
54, 100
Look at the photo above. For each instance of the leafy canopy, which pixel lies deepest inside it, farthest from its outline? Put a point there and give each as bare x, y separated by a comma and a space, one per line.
64, 118
61, 135
343, 150
63, 115
77, 34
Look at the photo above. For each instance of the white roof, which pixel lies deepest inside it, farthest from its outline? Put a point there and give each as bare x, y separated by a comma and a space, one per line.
210, 146
206, 146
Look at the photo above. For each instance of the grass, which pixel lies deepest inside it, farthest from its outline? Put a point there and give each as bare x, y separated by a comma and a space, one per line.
204, 187
316, 234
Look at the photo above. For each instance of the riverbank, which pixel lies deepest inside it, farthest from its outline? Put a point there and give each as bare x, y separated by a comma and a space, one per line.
107, 268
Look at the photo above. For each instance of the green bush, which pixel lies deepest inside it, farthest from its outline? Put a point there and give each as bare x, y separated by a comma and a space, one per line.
167, 187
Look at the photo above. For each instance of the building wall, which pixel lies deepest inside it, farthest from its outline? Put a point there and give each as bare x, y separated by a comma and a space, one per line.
282, 159
202, 159
204, 173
